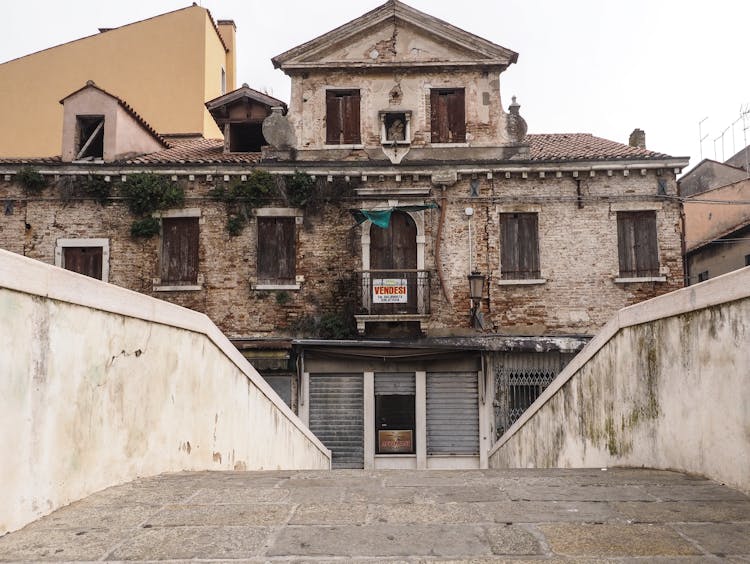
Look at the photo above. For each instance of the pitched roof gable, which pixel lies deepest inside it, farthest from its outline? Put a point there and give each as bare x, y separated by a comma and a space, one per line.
244, 92
125, 106
309, 53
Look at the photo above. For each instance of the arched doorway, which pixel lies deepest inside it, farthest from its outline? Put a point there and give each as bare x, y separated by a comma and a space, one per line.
393, 264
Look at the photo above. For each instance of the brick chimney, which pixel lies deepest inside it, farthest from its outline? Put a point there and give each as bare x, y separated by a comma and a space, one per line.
637, 138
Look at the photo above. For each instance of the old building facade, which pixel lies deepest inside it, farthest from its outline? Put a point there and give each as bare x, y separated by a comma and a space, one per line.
338, 257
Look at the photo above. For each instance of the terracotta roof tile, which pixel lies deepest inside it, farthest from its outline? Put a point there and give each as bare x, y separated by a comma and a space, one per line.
583, 147
195, 151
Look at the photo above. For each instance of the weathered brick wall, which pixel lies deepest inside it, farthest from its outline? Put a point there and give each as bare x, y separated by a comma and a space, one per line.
578, 253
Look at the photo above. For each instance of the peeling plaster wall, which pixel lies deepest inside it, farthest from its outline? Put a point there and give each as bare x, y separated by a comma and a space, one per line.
101, 385
666, 384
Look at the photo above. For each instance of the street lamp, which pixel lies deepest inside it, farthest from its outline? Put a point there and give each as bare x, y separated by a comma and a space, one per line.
476, 290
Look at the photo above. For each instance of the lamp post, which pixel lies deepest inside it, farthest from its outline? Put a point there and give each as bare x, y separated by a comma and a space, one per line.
476, 290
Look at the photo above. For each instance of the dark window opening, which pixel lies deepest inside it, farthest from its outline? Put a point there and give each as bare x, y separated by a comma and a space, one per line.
276, 250
179, 251
342, 117
246, 137
703, 276
84, 260
448, 115
519, 255
89, 137
637, 245
395, 424
747, 260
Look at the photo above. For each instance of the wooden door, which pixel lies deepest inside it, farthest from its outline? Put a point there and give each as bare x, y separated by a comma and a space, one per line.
393, 256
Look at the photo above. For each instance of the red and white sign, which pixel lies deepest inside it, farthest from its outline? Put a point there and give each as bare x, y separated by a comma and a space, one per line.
389, 291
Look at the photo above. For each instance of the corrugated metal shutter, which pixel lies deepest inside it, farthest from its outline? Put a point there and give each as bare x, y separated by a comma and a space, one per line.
282, 385
337, 416
452, 413
395, 384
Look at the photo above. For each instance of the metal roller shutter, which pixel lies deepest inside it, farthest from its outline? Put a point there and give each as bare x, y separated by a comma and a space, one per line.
452, 413
337, 417
394, 384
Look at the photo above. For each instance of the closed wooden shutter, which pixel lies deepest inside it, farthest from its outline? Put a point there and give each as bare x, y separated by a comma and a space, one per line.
342, 117
337, 417
179, 253
276, 250
448, 115
84, 260
519, 258
637, 244
452, 413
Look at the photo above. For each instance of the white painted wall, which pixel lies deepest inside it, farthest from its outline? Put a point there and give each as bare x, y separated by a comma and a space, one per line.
665, 384
100, 385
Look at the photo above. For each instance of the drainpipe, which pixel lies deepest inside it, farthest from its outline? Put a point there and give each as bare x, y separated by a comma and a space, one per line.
438, 257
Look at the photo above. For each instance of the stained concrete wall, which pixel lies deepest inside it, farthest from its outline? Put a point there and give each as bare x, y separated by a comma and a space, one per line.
100, 385
665, 384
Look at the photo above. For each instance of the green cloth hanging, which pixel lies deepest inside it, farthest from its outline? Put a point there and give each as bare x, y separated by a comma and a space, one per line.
382, 218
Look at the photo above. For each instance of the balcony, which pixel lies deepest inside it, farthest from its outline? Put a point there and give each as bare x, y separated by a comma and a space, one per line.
393, 296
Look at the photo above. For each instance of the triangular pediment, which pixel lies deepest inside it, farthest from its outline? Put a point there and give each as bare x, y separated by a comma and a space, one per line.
394, 35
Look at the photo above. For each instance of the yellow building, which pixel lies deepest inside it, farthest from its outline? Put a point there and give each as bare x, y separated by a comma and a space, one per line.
167, 67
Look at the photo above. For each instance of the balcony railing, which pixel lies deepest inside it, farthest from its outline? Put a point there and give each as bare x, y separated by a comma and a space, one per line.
395, 292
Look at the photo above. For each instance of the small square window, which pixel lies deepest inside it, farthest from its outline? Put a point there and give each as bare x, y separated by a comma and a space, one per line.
89, 257
89, 137
747, 260
703, 276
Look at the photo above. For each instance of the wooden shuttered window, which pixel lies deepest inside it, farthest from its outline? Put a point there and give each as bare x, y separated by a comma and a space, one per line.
519, 245
179, 251
342, 117
276, 250
84, 260
448, 115
637, 245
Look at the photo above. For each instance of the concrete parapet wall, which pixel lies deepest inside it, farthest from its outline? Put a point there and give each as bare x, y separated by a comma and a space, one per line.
100, 385
665, 384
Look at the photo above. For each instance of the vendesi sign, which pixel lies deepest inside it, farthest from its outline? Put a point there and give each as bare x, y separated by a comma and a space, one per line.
389, 291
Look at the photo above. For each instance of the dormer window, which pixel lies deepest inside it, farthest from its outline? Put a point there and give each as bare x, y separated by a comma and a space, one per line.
395, 128
89, 137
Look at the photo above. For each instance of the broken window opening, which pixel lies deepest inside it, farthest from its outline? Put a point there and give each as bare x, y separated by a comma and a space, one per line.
246, 137
89, 137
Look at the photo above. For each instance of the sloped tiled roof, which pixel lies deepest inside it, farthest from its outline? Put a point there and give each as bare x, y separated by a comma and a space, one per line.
195, 151
583, 147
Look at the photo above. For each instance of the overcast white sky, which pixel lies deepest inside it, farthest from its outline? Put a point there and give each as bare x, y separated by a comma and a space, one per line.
596, 66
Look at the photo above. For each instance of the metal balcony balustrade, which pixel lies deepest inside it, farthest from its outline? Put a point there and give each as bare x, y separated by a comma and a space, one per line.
394, 292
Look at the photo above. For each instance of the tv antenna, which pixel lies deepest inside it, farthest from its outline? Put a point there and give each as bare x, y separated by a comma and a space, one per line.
701, 137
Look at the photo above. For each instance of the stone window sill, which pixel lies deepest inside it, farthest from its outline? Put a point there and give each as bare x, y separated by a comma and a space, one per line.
522, 282
449, 145
277, 287
355, 146
641, 279
178, 288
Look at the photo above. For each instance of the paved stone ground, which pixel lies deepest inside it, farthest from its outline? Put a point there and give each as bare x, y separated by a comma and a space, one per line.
620, 515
